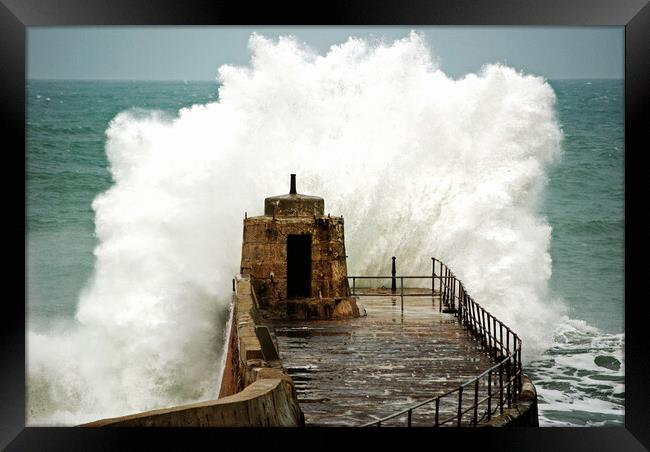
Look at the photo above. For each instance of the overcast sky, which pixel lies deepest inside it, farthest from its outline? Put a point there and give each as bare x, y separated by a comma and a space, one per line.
195, 53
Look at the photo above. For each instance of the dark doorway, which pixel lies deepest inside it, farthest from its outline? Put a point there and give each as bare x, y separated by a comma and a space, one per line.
299, 266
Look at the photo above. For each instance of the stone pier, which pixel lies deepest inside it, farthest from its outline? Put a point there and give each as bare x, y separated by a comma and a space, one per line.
353, 371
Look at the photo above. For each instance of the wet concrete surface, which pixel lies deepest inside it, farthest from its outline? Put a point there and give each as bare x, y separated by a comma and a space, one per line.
353, 371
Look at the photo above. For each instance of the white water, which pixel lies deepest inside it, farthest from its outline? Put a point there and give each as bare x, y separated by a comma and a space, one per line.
418, 164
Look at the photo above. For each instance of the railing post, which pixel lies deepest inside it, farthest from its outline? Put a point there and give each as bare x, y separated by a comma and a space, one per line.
508, 378
515, 367
501, 388
433, 275
489, 394
393, 283
483, 338
473, 315
461, 311
520, 367
445, 289
446, 286
490, 347
437, 411
233, 284
409, 418
401, 289
460, 303
494, 331
468, 314
476, 403
460, 404
501, 338
453, 293
476, 319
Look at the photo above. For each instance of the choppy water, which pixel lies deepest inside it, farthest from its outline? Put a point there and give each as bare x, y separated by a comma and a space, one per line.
579, 378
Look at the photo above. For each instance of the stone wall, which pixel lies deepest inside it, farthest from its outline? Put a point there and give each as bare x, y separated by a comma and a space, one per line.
267, 402
246, 361
231, 379
264, 252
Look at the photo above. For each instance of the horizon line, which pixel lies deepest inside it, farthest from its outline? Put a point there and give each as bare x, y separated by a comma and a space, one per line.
214, 80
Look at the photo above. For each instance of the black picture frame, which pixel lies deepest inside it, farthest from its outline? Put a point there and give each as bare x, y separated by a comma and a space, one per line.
634, 15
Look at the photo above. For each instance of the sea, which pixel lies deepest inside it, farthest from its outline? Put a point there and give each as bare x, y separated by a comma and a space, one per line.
579, 376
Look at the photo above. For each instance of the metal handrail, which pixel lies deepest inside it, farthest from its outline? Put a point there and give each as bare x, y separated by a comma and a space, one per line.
394, 278
483, 326
399, 276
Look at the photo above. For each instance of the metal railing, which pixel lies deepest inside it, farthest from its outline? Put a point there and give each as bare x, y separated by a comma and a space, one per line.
396, 292
479, 398
394, 279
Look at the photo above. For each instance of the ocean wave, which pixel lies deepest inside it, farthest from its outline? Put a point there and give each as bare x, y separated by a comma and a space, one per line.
580, 380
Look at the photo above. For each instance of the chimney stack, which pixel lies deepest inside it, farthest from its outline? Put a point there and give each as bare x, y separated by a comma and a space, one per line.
293, 185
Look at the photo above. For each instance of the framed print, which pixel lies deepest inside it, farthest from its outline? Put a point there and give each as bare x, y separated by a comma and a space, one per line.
377, 216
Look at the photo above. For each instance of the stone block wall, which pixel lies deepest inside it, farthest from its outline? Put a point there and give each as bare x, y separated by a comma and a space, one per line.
264, 252
267, 402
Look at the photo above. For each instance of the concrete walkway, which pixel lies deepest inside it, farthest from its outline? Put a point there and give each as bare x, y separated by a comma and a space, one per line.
349, 372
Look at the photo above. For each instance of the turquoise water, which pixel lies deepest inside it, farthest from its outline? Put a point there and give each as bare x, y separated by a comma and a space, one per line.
67, 168
585, 202
581, 379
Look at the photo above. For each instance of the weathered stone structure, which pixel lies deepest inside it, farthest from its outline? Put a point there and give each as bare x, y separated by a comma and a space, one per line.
295, 258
